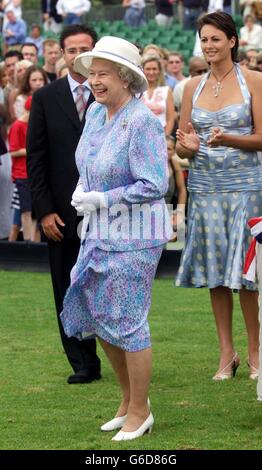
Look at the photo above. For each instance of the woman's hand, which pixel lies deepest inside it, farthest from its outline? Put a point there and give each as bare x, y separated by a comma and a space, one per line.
216, 138
190, 140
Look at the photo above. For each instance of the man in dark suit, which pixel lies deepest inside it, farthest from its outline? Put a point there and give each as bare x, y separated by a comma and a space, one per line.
53, 134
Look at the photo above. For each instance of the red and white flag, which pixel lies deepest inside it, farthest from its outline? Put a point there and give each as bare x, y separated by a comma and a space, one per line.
249, 272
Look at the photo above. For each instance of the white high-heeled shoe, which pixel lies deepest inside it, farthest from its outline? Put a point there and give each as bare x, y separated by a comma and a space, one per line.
118, 422
128, 436
115, 423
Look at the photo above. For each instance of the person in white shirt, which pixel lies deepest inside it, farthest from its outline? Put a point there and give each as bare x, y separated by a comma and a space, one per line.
73, 11
15, 6
250, 34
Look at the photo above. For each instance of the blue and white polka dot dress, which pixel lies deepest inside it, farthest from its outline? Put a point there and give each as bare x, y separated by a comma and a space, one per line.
225, 186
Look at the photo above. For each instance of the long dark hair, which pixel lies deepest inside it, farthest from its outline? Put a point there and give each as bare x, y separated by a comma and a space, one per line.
25, 86
225, 23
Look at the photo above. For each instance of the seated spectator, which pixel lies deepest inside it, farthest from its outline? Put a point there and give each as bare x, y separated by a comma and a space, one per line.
215, 5
73, 11
30, 52
36, 38
135, 13
250, 34
192, 10
15, 30
52, 21
246, 7
164, 12
227, 6
15, 6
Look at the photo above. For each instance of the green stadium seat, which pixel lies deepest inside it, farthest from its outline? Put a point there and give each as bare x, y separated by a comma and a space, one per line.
177, 28
173, 38
186, 53
173, 47
152, 25
238, 19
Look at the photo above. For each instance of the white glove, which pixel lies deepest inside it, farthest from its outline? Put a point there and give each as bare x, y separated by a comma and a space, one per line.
88, 202
77, 192
79, 189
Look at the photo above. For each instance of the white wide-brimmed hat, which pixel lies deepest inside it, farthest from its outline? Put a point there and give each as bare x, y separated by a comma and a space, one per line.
116, 50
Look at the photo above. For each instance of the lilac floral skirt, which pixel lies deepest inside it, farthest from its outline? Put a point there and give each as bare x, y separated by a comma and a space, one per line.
110, 296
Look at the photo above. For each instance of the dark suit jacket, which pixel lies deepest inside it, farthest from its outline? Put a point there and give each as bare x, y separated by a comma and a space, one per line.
53, 134
53, 12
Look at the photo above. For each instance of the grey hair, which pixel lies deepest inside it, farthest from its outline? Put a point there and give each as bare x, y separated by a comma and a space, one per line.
135, 82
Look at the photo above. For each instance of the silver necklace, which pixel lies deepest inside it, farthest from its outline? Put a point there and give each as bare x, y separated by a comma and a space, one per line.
218, 86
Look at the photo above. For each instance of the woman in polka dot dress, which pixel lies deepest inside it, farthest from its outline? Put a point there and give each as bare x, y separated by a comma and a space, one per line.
221, 132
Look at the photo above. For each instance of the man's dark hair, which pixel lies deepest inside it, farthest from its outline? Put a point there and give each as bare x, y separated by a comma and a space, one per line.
17, 54
72, 30
225, 23
31, 44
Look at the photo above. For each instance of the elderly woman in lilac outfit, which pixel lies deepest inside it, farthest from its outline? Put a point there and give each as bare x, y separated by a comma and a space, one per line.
122, 163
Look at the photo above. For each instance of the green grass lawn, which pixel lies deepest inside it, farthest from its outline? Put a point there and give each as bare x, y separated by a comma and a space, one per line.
39, 410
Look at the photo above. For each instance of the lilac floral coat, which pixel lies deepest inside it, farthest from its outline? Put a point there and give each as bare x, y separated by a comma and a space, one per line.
126, 159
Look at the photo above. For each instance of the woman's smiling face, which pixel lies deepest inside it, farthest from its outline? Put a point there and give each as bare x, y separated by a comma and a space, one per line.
215, 44
106, 84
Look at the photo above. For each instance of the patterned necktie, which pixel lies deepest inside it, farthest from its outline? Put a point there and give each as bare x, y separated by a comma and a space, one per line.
80, 101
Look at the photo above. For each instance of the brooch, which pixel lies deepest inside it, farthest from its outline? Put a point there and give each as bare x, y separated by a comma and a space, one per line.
124, 124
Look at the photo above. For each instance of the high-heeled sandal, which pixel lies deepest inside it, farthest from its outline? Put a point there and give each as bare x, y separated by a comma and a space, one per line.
253, 371
232, 366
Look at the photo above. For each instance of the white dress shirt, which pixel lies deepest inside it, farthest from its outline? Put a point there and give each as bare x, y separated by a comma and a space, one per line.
64, 7
253, 37
74, 85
